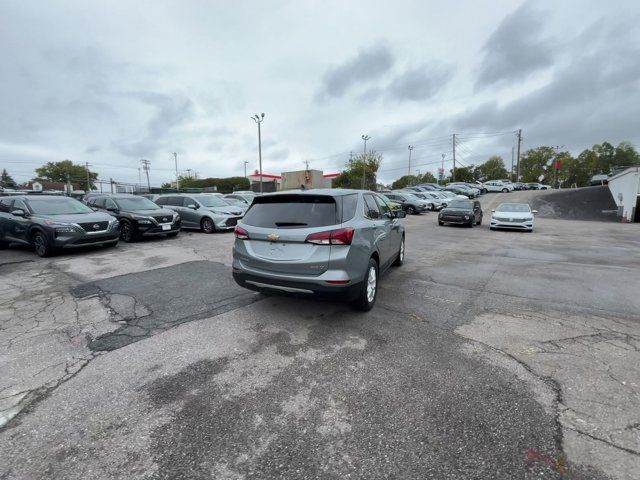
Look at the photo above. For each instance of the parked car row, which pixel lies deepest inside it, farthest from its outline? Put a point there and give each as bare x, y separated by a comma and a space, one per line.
512, 216
49, 223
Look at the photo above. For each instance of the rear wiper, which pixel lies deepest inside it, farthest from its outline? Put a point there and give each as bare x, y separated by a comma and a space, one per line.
290, 224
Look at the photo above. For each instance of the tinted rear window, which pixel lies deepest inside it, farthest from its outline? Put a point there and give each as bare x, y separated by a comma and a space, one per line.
292, 211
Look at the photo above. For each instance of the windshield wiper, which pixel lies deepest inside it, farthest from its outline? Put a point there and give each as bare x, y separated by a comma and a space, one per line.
290, 224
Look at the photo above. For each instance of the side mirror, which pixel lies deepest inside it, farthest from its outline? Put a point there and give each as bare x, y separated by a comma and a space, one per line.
534, 211
192, 206
18, 212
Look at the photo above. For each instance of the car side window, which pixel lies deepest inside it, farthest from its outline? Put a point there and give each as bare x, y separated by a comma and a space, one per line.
161, 201
108, 203
189, 201
175, 201
99, 202
382, 205
371, 208
19, 204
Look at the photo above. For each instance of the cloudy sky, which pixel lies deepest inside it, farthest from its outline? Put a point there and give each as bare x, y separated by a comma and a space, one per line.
111, 82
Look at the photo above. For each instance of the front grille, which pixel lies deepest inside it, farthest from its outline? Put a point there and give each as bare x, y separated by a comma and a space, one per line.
95, 239
232, 222
507, 220
452, 219
94, 226
164, 218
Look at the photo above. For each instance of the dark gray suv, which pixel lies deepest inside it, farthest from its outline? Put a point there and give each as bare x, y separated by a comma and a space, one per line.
49, 222
325, 241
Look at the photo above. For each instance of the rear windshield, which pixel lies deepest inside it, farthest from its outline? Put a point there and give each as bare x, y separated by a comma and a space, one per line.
292, 211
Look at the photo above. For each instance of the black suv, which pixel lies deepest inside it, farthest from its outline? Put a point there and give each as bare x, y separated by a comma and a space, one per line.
49, 222
138, 216
462, 212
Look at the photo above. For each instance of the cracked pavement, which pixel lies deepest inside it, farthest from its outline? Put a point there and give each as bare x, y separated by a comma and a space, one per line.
489, 355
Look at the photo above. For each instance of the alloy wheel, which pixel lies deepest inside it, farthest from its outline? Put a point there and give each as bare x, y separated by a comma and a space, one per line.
372, 280
40, 244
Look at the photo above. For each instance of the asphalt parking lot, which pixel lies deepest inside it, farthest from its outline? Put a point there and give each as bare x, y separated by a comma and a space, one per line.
488, 355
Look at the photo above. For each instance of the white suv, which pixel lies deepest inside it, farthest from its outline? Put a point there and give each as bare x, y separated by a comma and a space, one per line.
498, 186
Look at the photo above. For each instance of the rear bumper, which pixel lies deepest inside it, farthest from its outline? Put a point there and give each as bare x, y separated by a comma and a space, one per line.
262, 284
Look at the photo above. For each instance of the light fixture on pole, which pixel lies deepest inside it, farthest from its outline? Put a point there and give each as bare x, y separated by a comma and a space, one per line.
259, 119
410, 147
364, 159
245, 169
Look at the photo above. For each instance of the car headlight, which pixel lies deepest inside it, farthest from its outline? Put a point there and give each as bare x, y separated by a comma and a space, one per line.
142, 220
528, 219
466, 217
66, 229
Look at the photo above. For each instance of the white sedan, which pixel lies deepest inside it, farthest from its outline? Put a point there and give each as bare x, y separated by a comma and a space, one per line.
515, 216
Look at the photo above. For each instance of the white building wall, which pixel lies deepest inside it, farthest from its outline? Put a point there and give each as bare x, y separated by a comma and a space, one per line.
625, 188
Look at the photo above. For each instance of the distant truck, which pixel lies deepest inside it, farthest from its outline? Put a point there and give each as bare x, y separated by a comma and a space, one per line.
599, 180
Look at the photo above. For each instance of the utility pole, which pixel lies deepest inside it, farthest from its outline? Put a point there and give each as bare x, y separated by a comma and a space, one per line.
442, 179
175, 158
350, 158
111, 183
145, 167
245, 169
306, 164
512, 165
139, 180
453, 174
410, 147
259, 120
68, 185
86, 166
518, 157
364, 159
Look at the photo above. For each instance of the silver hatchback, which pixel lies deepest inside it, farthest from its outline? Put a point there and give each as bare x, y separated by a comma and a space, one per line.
318, 242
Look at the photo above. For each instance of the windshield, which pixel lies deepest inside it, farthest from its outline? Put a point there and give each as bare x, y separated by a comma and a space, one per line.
135, 203
461, 204
211, 201
514, 207
57, 206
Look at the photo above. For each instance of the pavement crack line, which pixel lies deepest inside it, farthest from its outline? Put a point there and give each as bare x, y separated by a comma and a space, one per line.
603, 440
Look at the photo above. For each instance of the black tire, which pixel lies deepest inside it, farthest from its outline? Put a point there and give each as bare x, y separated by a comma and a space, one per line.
479, 222
433, 207
410, 210
505, 190
207, 225
471, 222
491, 228
440, 223
172, 234
41, 244
127, 233
4, 245
400, 258
363, 302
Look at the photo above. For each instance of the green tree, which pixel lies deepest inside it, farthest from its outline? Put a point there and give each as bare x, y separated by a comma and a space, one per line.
492, 169
6, 181
405, 181
60, 171
351, 177
536, 165
463, 174
625, 156
427, 178
223, 185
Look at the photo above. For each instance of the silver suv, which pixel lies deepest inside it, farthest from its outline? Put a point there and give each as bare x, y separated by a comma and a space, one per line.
322, 242
206, 212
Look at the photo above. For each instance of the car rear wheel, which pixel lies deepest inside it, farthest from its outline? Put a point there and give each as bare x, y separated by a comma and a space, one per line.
3, 245
400, 258
440, 223
41, 245
471, 222
505, 190
126, 231
479, 222
369, 289
410, 210
207, 225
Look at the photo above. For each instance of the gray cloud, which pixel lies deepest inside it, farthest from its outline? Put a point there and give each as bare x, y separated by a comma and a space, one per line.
515, 49
367, 66
419, 83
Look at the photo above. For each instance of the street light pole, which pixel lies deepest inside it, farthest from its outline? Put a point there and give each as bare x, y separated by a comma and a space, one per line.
259, 119
175, 157
364, 159
245, 169
410, 147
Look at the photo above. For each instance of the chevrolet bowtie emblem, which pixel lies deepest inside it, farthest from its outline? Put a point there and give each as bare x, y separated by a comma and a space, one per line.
273, 237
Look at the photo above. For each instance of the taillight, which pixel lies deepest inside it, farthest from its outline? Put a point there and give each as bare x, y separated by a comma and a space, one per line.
342, 236
241, 233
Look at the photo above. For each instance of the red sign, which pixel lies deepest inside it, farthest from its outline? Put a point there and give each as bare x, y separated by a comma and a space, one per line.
558, 164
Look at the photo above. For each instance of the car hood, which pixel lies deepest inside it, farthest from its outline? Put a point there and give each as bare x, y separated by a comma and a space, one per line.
76, 217
230, 210
458, 211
